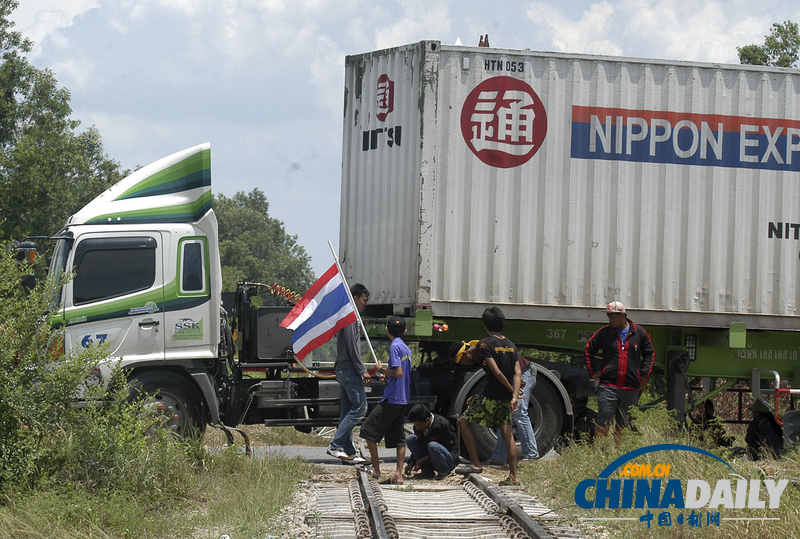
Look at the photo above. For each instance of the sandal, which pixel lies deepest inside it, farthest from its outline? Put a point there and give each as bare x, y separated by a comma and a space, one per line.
508, 482
370, 471
466, 469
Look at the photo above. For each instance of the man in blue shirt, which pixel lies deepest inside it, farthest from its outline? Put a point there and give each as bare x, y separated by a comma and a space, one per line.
387, 419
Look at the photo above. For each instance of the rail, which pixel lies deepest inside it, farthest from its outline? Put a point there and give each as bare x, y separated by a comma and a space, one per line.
474, 508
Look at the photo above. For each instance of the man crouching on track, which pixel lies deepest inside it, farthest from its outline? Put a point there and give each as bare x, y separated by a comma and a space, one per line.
499, 399
387, 418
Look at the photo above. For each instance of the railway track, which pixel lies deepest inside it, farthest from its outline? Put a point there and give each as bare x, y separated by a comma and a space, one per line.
364, 509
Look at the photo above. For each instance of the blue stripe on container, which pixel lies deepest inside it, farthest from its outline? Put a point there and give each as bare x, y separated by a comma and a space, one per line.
665, 152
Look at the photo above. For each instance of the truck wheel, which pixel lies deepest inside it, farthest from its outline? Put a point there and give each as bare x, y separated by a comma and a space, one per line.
174, 399
547, 417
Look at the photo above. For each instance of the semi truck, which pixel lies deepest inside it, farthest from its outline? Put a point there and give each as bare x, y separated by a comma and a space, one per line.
147, 286
551, 184
547, 184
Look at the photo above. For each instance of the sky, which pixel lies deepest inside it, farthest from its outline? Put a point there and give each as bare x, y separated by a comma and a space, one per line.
263, 80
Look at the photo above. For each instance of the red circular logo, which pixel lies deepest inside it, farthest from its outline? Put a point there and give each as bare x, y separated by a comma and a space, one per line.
503, 122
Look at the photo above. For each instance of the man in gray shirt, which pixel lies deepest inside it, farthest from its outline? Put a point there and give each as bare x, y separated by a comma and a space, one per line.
352, 376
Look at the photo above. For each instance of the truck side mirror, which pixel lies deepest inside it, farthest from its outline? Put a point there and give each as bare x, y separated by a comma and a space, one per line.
26, 253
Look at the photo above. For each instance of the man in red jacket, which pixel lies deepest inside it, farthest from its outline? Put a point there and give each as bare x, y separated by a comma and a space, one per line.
622, 370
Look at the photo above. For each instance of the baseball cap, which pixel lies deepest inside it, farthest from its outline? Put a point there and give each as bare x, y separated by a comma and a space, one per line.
396, 322
615, 307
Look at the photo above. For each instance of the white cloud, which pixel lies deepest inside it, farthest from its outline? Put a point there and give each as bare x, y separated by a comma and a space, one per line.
327, 67
587, 35
76, 74
187, 7
421, 20
682, 30
37, 19
263, 79
118, 25
707, 30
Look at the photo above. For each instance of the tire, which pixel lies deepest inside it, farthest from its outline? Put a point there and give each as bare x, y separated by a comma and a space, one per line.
547, 415
174, 398
545, 411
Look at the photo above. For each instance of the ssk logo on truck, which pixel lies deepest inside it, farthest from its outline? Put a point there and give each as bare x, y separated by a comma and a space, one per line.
187, 329
503, 122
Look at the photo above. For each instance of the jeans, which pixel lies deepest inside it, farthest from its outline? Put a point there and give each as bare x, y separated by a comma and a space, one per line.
352, 408
441, 459
527, 439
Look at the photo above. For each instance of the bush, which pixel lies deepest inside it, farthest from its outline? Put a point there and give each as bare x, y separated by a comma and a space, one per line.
37, 383
108, 444
110, 468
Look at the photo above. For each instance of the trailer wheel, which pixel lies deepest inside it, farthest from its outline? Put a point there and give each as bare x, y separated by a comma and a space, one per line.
547, 415
174, 399
545, 411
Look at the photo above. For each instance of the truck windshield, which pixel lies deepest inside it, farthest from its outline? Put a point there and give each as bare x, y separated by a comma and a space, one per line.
58, 267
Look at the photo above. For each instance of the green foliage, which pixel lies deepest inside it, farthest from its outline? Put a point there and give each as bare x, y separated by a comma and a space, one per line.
110, 467
48, 170
118, 446
246, 495
37, 387
780, 47
254, 246
44, 436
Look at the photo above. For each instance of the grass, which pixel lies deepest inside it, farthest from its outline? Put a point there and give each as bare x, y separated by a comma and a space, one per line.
554, 482
221, 492
261, 435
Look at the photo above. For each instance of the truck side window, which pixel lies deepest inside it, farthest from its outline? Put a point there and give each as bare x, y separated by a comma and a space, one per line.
108, 268
192, 267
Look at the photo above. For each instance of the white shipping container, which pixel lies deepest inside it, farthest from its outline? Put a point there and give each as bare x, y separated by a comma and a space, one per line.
550, 184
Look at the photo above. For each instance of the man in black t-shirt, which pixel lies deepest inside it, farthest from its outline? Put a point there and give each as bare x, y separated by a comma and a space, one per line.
499, 399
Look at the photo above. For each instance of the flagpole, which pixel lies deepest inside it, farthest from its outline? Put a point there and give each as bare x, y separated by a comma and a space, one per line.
353, 303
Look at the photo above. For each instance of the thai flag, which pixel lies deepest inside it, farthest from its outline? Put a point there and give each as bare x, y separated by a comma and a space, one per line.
321, 312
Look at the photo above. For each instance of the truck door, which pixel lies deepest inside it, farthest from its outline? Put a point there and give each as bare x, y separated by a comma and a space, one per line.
117, 295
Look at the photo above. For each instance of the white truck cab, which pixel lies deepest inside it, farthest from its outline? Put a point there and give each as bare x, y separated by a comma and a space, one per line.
147, 273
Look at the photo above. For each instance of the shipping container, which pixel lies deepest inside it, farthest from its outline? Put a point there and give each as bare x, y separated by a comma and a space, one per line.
550, 184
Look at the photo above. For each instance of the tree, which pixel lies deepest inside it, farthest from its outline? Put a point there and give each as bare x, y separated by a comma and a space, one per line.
48, 170
254, 246
780, 47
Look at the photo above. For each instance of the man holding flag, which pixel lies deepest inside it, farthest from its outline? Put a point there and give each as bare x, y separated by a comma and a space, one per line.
352, 376
328, 308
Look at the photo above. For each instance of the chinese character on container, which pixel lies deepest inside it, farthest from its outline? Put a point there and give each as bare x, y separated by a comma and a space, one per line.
503, 122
